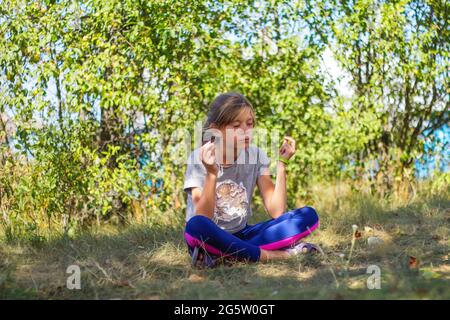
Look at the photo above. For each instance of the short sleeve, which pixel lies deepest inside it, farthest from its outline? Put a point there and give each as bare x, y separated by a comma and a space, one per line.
263, 163
195, 172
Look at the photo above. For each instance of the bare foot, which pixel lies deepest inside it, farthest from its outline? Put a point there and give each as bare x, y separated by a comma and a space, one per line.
268, 255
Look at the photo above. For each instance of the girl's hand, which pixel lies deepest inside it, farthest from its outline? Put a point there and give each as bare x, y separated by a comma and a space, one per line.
287, 149
208, 157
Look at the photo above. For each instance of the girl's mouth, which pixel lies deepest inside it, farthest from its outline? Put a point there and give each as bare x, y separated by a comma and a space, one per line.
245, 141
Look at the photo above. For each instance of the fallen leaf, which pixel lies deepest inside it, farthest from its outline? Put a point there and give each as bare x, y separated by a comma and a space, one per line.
195, 278
413, 262
368, 229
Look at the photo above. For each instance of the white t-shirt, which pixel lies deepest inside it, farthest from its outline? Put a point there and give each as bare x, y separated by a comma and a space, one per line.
234, 189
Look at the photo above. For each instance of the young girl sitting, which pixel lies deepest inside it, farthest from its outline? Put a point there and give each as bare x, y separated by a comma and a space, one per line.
220, 180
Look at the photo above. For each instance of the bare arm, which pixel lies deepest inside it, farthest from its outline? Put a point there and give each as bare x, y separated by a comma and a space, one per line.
275, 196
205, 200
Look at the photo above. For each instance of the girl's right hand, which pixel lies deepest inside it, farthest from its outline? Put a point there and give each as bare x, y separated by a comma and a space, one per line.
208, 157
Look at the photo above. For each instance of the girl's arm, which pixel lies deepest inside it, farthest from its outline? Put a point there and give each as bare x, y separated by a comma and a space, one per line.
275, 196
205, 201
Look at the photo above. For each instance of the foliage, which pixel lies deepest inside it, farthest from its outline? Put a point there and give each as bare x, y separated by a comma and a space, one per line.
93, 94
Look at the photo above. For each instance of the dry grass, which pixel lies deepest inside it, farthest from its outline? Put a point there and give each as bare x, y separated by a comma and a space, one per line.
151, 261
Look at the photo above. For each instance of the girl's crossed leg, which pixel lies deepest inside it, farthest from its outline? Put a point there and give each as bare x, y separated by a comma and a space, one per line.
261, 241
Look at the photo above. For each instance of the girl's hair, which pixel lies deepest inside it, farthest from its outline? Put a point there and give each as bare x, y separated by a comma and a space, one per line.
225, 109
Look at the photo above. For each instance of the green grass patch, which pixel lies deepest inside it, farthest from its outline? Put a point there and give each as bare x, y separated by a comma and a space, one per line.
151, 261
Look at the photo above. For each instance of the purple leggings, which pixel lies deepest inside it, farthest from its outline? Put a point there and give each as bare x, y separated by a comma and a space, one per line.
246, 244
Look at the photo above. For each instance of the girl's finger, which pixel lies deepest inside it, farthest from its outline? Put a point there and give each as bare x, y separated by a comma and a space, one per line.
207, 148
207, 145
291, 146
211, 146
204, 148
285, 148
204, 155
291, 140
213, 152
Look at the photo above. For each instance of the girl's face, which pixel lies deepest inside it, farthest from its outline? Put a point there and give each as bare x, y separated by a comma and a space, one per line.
238, 133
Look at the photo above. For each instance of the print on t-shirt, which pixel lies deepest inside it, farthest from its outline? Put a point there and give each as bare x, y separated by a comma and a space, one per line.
231, 201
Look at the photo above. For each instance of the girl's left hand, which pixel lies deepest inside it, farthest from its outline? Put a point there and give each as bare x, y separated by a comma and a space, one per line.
287, 149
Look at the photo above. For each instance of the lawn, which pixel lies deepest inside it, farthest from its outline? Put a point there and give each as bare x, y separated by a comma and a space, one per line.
150, 261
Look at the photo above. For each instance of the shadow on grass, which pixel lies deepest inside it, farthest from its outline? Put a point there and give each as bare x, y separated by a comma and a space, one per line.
151, 262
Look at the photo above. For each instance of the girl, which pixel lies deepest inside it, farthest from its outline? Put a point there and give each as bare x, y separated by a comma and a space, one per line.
220, 179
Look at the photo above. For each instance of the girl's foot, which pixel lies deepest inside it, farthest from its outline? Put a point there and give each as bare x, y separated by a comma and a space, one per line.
203, 259
303, 248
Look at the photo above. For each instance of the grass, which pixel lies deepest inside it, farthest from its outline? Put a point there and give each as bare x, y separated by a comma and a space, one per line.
151, 261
